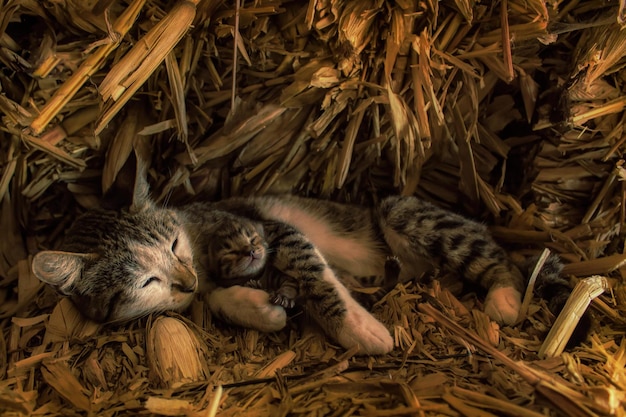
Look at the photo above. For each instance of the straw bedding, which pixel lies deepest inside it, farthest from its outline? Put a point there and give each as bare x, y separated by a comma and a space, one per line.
510, 112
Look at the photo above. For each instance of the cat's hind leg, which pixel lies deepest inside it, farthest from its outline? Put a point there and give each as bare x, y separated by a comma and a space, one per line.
416, 230
344, 318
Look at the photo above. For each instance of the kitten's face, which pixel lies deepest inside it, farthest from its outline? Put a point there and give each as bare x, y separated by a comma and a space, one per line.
240, 250
117, 267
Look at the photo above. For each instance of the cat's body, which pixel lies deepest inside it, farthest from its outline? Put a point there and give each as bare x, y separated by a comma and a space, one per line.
244, 252
358, 240
315, 235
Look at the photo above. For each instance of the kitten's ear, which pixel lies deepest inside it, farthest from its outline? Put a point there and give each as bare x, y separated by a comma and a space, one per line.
59, 269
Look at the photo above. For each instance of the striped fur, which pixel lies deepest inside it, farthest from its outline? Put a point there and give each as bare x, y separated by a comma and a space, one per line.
245, 252
240, 254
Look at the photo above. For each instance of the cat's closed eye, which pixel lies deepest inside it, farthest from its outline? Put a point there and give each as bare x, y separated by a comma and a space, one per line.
150, 280
174, 245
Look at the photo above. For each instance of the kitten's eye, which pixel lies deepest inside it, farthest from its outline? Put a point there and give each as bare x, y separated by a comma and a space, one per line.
174, 245
150, 281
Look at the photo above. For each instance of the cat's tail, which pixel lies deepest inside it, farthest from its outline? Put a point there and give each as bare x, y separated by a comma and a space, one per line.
555, 290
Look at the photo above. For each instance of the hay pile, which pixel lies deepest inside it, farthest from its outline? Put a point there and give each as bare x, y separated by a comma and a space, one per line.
511, 112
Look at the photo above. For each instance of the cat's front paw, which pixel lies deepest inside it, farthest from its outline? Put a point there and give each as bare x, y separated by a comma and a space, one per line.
247, 307
270, 318
362, 329
503, 305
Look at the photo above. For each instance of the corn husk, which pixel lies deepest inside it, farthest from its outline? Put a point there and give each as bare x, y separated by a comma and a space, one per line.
175, 353
582, 296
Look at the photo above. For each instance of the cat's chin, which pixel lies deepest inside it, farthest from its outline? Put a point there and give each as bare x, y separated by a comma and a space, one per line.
252, 267
177, 302
181, 301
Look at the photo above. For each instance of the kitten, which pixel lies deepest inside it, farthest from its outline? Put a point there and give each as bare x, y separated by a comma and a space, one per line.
121, 265
239, 254
300, 270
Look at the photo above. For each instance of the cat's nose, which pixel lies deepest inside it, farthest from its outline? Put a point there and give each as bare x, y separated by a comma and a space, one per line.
187, 289
184, 279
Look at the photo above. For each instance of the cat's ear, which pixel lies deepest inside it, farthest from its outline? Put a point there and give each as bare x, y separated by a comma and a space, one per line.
141, 194
59, 269
141, 189
130, 188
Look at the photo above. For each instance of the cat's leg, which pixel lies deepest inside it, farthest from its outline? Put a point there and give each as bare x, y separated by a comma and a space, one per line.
392, 273
416, 230
340, 315
247, 307
371, 289
254, 283
325, 297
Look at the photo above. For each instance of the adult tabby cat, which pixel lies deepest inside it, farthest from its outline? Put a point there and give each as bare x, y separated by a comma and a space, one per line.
119, 265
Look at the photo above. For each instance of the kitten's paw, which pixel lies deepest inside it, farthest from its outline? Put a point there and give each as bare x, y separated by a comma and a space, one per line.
254, 283
503, 305
362, 329
282, 300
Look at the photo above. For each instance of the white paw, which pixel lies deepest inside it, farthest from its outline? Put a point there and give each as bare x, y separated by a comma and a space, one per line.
265, 316
362, 329
503, 305
247, 307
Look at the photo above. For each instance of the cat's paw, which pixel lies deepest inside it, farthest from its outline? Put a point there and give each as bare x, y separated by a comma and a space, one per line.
503, 305
362, 329
268, 317
247, 307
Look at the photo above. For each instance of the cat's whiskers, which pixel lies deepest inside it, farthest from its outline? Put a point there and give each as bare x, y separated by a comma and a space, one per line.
166, 199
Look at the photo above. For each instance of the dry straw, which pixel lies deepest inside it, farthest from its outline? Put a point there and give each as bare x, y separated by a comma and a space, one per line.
583, 294
88, 68
511, 112
129, 74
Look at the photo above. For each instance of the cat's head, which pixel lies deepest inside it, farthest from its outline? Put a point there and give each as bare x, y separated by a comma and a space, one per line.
238, 250
120, 265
